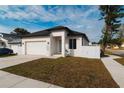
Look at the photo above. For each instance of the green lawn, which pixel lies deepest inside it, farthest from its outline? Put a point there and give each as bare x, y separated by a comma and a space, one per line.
66, 72
7, 55
120, 60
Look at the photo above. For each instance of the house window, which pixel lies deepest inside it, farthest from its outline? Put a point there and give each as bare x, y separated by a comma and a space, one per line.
72, 43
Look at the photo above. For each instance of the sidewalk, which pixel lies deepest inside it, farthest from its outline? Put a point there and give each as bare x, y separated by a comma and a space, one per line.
116, 70
8, 80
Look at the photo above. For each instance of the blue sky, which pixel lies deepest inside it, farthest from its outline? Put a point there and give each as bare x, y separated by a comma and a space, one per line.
34, 18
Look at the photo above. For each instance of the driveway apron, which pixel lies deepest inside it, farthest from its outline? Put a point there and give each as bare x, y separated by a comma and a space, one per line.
15, 60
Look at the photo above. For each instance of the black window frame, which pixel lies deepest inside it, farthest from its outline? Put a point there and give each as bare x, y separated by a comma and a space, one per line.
72, 43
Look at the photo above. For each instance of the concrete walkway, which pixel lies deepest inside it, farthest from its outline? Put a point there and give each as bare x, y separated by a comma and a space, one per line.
8, 80
116, 70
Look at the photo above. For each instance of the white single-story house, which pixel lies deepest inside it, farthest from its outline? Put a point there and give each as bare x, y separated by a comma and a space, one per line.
56, 41
59, 40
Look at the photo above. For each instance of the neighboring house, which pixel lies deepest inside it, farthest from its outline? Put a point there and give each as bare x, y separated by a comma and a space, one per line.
59, 40
10, 41
121, 33
94, 44
122, 44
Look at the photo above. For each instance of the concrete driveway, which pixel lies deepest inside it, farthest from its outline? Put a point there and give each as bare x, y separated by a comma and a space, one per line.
14, 60
8, 80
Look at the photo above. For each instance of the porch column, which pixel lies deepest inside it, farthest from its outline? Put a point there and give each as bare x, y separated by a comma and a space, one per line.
63, 45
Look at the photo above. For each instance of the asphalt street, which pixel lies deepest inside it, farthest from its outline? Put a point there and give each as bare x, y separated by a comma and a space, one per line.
118, 52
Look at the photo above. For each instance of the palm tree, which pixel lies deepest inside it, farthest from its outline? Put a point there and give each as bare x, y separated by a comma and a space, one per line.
111, 14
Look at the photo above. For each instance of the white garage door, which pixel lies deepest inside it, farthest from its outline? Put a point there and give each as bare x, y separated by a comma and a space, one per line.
36, 48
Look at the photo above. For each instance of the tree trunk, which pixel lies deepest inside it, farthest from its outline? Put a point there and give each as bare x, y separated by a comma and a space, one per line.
104, 46
105, 38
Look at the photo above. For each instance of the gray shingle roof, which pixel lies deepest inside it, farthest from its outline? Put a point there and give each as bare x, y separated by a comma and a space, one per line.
47, 32
11, 38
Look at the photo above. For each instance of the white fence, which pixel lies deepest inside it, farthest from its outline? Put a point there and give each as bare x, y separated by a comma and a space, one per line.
88, 51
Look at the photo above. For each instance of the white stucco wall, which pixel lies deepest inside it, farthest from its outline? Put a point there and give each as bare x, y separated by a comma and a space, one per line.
88, 51
58, 33
17, 48
31, 39
83, 51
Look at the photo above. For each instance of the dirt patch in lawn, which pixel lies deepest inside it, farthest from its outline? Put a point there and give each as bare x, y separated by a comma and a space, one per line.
66, 72
120, 60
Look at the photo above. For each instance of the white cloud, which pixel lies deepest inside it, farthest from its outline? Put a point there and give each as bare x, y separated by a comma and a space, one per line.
72, 17
39, 12
5, 29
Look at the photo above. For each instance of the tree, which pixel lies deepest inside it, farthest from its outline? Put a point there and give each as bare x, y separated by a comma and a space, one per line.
111, 14
20, 31
121, 32
116, 41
